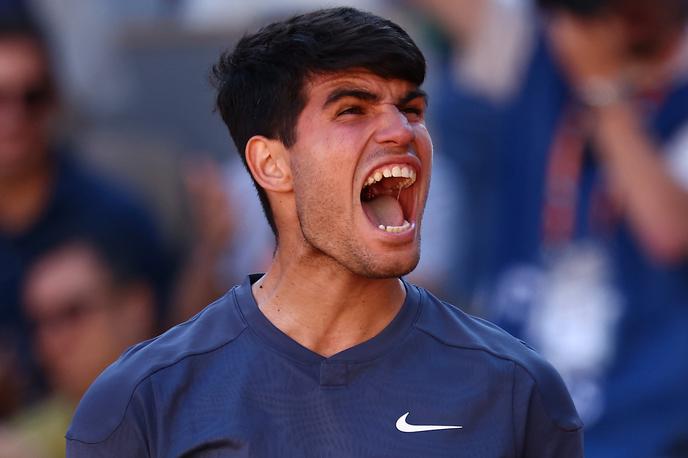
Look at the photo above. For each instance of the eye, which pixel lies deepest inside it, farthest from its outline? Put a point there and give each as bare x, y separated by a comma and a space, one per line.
354, 110
412, 113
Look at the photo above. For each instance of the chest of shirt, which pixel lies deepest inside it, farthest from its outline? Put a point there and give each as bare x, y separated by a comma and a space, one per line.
384, 408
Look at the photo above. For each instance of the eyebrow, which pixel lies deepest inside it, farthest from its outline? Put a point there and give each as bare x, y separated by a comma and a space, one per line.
367, 96
360, 94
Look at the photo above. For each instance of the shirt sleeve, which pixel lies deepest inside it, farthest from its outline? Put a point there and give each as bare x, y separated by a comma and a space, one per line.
118, 445
546, 423
131, 437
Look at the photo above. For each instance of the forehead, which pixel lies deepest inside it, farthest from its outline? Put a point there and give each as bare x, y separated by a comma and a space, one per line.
63, 274
21, 59
319, 87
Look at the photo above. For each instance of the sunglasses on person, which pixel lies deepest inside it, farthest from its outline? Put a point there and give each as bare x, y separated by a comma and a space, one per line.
69, 313
33, 98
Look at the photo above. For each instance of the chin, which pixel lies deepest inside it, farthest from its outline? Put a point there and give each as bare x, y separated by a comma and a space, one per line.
392, 265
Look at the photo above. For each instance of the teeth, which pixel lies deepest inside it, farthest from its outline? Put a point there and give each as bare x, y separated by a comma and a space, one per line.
395, 171
401, 228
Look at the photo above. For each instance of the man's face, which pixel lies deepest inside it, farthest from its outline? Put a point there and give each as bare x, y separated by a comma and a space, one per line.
361, 165
26, 103
72, 304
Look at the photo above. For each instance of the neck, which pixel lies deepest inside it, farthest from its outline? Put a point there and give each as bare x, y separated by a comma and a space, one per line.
22, 198
322, 305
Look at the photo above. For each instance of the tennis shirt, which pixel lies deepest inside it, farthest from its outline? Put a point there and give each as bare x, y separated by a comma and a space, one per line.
435, 382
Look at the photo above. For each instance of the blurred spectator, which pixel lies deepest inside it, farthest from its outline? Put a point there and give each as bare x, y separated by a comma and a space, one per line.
86, 303
231, 235
479, 48
592, 244
47, 196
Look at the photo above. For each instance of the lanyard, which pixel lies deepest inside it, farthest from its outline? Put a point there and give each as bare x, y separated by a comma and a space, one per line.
564, 182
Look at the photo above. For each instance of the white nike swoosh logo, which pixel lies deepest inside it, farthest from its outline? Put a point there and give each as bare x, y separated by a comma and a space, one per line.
405, 427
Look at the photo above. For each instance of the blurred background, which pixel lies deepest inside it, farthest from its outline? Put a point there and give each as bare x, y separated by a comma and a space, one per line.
558, 207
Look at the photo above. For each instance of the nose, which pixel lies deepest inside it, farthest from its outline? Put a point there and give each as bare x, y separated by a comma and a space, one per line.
394, 128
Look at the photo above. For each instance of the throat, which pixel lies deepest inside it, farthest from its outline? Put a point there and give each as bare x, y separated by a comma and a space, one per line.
351, 312
384, 210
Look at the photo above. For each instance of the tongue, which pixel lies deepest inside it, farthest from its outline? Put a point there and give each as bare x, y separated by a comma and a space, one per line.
384, 210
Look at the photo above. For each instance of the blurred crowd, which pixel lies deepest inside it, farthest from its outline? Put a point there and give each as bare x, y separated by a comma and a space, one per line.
558, 206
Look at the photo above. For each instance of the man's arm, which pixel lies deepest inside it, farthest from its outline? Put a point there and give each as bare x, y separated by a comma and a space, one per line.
112, 421
592, 53
126, 440
545, 438
546, 424
108, 449
654, 203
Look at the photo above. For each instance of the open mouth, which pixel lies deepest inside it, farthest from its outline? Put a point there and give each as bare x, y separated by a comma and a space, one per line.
388, 199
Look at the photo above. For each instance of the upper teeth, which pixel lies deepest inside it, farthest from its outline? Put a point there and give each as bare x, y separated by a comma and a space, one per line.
392, 171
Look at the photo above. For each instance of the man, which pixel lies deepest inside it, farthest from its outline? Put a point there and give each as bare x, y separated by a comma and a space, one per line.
594, 189
86, 303
330, 353
45, 195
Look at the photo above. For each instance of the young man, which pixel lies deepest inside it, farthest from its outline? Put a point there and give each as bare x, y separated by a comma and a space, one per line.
86, 302
594, 188
330, 353
47, 195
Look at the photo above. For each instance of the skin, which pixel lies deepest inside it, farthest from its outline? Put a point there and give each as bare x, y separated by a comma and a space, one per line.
25, 166
333, 282
212, 218
74, 349
605, 48
642, 188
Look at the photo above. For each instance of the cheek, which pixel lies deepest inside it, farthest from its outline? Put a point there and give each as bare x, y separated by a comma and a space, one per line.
315, 192
324, 173
424, 143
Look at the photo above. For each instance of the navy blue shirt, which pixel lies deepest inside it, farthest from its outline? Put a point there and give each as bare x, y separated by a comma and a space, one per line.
641, 323
228, 381
82, 205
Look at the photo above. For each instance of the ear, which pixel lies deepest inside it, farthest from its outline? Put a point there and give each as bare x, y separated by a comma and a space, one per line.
268, 161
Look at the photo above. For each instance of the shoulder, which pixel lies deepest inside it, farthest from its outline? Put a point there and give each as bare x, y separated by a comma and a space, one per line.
86, 202
76, 180
455, 328
103, 407
532, 374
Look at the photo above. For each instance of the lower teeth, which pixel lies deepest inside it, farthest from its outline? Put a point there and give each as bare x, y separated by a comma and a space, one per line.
401, 228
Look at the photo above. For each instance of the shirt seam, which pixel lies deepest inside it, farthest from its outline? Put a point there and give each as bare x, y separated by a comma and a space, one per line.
513, 407
146, 378
264, 342
504, 358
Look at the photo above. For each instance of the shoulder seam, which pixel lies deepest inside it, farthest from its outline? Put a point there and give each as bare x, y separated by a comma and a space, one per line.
537, 387
148, 376
504, 358
465, 347
513, 410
